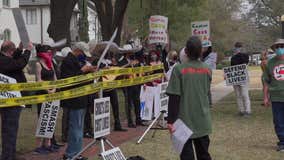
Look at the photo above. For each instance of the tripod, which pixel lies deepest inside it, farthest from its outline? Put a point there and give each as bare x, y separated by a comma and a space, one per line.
102, 141
160, 115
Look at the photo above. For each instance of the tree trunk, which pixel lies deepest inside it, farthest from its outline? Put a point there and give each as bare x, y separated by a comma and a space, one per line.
111, 17
61, 13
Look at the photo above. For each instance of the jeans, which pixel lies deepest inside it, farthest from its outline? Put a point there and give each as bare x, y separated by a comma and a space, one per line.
243, 100
10, 123
75, 131
278, 120
201, 147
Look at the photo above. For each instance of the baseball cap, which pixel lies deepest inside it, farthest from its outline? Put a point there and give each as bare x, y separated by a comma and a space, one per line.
83, 47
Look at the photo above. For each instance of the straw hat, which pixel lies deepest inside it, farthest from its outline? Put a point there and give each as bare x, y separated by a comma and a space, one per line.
278, 41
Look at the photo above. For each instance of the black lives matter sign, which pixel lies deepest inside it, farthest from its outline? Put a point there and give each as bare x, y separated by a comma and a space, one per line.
236, 75
101, 117
47, 119
113, 154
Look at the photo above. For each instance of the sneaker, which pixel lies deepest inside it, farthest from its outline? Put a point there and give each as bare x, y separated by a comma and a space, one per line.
280, 148
131, 125
241, 114
41, 150
246, 114
81, 158
88, 135
52, 148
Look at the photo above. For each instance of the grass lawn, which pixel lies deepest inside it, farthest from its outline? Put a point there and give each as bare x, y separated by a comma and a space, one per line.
233, 138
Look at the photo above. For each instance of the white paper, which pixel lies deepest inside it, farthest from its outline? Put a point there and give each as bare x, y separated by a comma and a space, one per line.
180, 136
113, 154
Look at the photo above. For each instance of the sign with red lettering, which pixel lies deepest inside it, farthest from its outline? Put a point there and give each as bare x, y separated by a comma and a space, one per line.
47, 119
158, 30
201, 29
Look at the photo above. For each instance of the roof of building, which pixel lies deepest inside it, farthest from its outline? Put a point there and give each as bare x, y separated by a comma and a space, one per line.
34, 2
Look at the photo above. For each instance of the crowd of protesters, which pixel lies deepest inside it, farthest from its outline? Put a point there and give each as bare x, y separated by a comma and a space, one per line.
189, 74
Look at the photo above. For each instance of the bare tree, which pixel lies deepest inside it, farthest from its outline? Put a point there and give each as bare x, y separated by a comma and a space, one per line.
111, 14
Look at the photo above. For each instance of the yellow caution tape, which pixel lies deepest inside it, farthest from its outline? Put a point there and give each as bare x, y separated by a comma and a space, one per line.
77, 92
71, 81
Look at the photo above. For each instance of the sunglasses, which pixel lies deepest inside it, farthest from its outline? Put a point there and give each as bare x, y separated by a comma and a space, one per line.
279, 46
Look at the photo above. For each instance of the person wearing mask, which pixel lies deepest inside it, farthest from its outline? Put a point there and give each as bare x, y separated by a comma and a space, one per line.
273, 77
12, 62
210, 58
45, 71
188, 101
72, 66
172, 61
242, 90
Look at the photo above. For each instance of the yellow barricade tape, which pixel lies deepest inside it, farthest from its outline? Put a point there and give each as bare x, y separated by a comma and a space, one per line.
71, 81
77, 92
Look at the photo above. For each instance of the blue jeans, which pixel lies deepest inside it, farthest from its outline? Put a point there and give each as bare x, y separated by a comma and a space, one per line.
75, 131
278, 120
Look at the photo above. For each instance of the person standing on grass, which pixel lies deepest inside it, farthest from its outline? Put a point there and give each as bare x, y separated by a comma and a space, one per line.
242, 90
188, 100
273, 78
12, 62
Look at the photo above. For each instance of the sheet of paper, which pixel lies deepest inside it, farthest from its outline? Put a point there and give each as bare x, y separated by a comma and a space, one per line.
180, 136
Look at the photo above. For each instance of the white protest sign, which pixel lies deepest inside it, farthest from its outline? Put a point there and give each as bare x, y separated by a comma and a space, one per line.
47, 119
158, 29
101, 117
146, 102
164, 99
236, 75
8, 94
113, 154
202, 30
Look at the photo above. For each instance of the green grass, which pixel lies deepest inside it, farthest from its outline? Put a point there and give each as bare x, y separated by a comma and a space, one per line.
233, 137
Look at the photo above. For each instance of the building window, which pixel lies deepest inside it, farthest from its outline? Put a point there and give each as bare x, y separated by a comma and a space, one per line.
31, 16
7, 35
6, 3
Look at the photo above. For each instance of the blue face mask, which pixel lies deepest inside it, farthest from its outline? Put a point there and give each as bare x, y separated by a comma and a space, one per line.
280, 51
82, 58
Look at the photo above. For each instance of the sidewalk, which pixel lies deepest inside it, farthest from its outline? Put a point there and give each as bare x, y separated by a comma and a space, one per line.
116, 138
219, 91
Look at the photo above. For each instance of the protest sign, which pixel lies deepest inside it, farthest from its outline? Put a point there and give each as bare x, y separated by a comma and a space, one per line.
101, 117
113, 154
202, 30
146, 102
19, 19
47, 119
164, 99
8, 94
158, 30
236, 75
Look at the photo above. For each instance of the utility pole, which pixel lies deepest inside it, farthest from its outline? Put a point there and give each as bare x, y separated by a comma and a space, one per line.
282, 24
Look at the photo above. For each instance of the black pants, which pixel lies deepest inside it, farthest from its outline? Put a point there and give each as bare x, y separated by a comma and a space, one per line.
88, 121
10, 124
115, 106
201, 147
133, 100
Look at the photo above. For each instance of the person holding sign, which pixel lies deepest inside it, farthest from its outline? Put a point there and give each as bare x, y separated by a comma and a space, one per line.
210, 58
71, 67
45, 71
273, 77
12, 63
188, 101
241, 90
